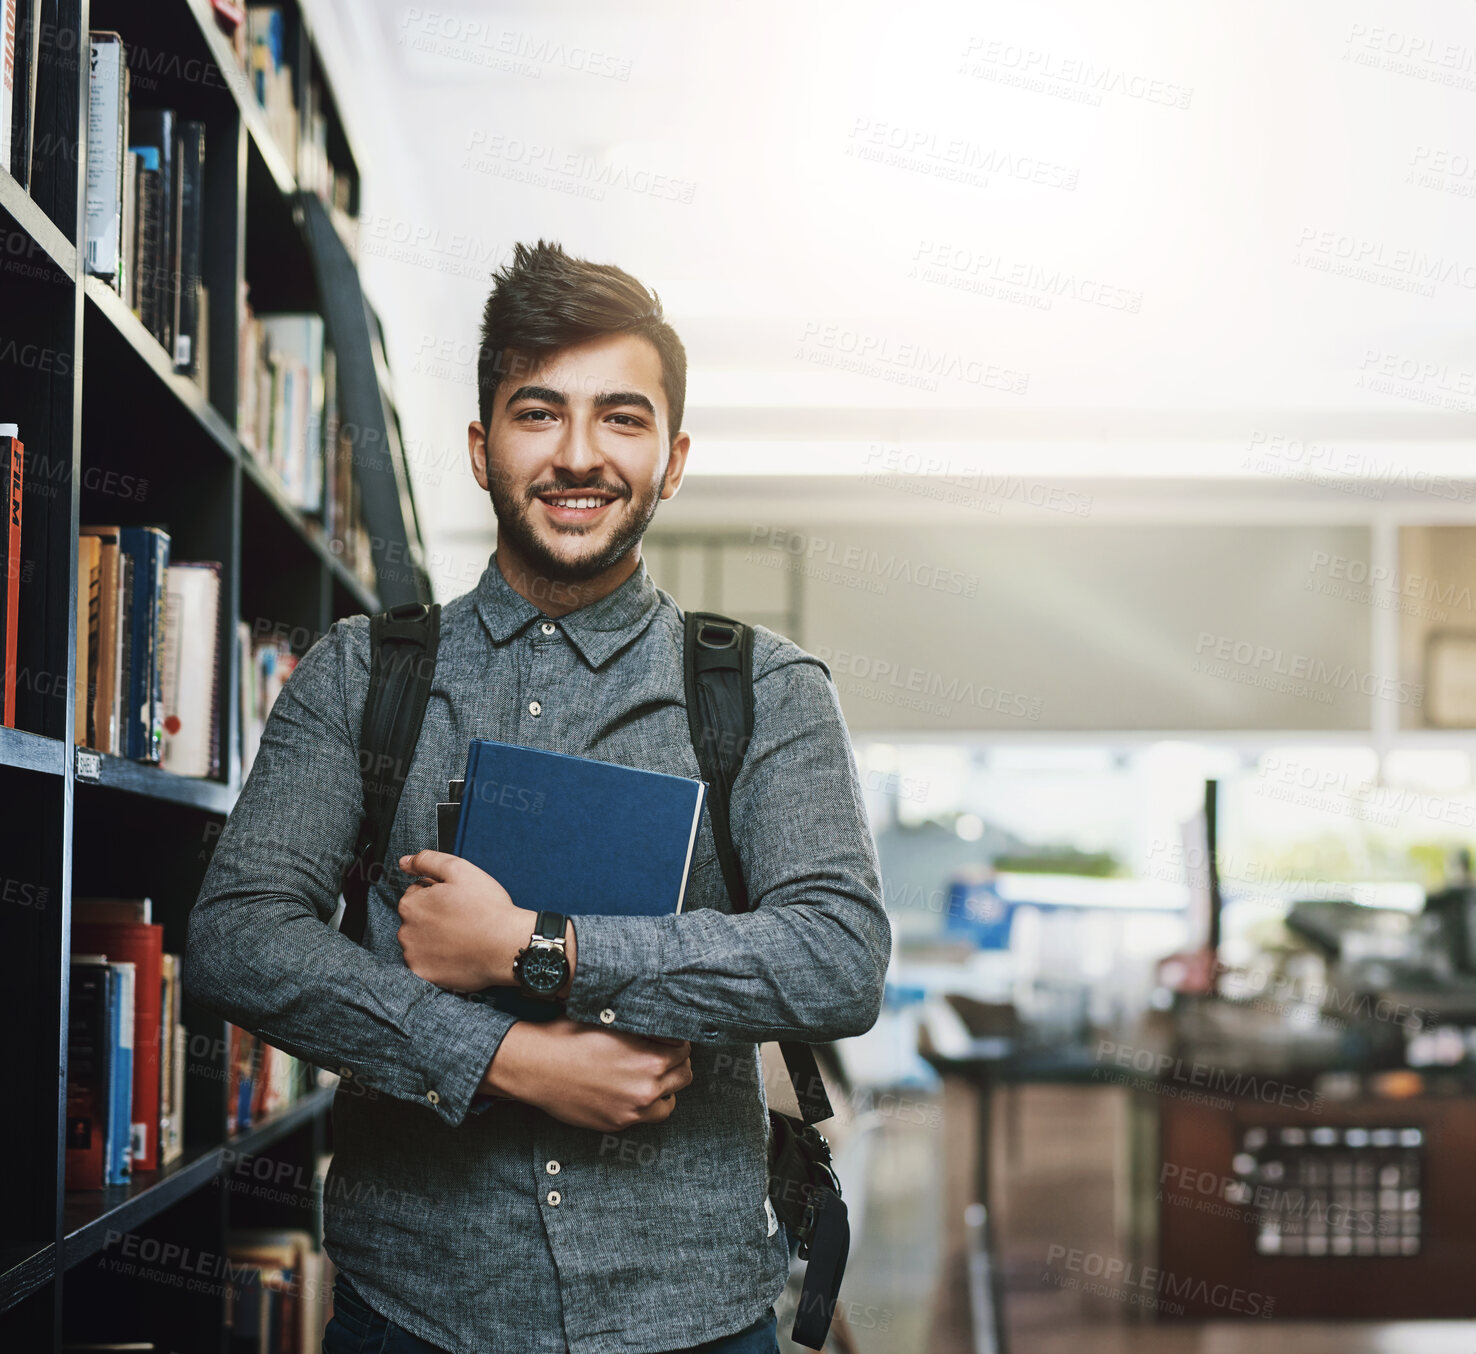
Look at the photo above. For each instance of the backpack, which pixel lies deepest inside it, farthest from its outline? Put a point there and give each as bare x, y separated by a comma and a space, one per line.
718, 680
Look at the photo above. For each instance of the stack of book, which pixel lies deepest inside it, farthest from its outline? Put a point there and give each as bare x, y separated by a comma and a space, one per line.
260, 1080
126, 1045
281, 397
277, 1302
271, 76
343, 508
147, 642
316, 172
265, 664
145, 208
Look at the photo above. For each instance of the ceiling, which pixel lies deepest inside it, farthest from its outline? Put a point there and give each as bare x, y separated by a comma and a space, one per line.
1110, 243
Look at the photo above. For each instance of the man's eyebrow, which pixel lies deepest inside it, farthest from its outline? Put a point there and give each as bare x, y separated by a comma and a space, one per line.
633, 397
536, 393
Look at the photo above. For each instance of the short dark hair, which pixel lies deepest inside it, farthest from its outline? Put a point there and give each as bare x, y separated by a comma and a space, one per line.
545, 300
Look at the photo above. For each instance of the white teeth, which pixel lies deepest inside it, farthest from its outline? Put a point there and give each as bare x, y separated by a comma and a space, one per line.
577, 502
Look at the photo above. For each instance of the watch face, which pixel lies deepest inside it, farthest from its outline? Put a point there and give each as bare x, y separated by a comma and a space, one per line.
542, 969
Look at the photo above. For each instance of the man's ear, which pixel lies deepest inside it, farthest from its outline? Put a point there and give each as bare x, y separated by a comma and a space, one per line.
476, 445
676, 464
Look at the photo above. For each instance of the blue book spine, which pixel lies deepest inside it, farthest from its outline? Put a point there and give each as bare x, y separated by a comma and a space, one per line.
143, 721
120, 1074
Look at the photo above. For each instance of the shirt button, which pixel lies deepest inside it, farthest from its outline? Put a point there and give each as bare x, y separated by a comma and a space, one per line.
547, 627
345, 1072
554, 1197
552, 1167
433, 1097
535, 708
607, 1015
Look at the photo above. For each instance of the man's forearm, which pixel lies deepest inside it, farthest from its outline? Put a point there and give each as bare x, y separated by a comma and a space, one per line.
793, 972
319, 996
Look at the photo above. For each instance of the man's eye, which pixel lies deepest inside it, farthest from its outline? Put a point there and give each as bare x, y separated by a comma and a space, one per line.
534, 416
629, 420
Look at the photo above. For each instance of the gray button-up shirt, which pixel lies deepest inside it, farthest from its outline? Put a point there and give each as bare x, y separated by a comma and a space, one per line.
491, 1226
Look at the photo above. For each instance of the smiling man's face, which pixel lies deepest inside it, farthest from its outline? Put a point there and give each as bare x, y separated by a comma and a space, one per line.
576, 459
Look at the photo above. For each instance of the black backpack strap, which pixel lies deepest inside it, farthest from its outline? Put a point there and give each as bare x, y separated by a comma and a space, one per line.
718, 670
402, 646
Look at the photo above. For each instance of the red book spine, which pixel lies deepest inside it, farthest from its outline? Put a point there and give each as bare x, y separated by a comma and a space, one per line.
141, 943
13, 462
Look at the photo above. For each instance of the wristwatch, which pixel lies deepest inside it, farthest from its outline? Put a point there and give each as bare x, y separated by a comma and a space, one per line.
541, 966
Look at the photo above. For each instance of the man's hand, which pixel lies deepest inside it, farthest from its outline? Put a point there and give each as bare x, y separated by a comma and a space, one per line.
589, 1076
459, 929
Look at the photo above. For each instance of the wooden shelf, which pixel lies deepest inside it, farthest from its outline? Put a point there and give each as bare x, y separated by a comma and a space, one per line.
41, 228
153, 782
124, 438
90, 1215
23, 1272
32, 752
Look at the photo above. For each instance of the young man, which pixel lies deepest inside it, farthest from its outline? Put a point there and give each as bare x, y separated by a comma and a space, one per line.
596, 1184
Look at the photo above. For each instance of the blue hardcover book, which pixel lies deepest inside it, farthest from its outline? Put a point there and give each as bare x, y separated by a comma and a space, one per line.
120, 1074
143, 718
577, 836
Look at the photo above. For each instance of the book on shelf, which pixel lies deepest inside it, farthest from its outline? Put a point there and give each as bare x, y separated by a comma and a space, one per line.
88, 553
271, 76
281, 399
144, 294
118, 1165
9, 19
120, 931
107, 142
171, 1063
13, 468
89, 1062
188, 331
23, 104
343, 509
279, 1299
140, 944
266, 662
240, 1078
261, 1080
155, 133
133, 616
191, 680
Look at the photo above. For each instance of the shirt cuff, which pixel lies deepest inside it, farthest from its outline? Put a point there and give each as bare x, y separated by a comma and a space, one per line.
458, 1039
617, 971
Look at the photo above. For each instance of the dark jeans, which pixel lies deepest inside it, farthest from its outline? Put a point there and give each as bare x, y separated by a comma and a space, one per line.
357, 1328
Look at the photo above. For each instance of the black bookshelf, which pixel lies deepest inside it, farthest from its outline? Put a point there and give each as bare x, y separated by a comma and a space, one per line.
113, 434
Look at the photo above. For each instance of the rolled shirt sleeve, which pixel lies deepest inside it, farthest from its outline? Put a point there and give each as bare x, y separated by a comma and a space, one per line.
261, 949
809, 961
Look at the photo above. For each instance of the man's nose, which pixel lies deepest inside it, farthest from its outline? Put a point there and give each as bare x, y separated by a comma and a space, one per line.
578, 451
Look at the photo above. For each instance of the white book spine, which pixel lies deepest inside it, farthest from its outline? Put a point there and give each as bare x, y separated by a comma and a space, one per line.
7, 78
106, 108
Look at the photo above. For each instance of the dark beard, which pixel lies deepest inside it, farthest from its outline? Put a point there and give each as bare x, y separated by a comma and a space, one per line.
514, 522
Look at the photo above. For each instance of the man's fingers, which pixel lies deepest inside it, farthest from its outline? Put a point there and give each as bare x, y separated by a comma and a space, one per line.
436, 865
674, 1079
657, 1111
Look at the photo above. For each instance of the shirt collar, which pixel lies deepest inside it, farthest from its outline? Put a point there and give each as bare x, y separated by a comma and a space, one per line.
598, 630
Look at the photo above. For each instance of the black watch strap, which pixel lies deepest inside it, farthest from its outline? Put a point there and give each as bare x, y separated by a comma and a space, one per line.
551, 925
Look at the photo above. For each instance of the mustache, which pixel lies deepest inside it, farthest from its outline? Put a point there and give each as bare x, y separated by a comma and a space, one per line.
596, 488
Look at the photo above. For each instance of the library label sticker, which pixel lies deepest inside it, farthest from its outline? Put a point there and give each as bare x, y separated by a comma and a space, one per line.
89, 765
